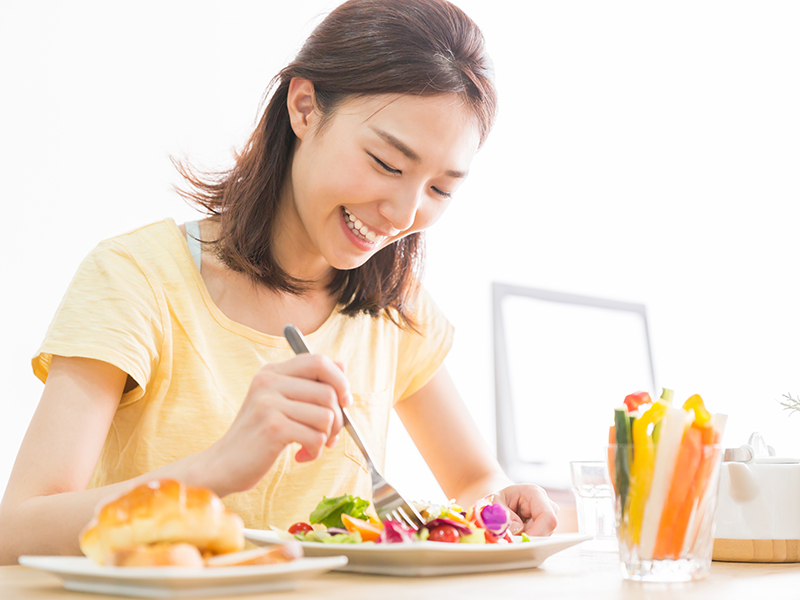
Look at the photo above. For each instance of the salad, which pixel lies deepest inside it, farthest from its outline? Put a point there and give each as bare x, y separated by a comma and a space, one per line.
351, 520
662, 462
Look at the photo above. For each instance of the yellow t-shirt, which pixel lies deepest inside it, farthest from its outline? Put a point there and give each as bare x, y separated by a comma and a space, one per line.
139, 303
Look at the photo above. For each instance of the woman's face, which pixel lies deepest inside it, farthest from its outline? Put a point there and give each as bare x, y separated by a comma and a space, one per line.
381, 168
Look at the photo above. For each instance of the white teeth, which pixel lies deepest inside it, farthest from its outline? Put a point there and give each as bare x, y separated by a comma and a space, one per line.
358, 227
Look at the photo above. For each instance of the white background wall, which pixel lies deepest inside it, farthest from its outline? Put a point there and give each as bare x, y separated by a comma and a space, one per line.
644, 151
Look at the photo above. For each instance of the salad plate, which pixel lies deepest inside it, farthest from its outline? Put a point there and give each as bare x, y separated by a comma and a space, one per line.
415, 559
84, 575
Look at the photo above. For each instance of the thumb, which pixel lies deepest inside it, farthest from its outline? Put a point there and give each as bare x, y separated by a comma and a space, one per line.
516, 523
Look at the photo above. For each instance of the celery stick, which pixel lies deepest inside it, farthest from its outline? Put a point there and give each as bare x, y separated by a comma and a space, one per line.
622, 458
672, 427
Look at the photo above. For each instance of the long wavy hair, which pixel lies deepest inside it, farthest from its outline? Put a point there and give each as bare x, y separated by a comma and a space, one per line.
363, 47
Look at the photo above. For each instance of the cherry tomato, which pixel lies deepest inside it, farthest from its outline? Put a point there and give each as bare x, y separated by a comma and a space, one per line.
493, 539
444, 533
300, 528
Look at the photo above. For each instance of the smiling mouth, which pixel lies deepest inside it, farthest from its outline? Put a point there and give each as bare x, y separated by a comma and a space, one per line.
359, 229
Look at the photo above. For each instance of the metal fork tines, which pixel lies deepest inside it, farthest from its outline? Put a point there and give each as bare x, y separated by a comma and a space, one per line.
388, 502
390, 505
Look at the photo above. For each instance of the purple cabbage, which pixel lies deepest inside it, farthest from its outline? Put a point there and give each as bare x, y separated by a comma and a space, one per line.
496, 519
337, 531
395, 533
462, 529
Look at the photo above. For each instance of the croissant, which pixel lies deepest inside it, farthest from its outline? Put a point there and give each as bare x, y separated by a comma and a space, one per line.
161, 512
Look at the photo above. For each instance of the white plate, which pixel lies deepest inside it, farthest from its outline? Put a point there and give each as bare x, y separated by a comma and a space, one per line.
84, 575
433, 558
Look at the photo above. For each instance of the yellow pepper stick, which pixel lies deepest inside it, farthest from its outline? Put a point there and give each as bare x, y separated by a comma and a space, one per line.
644, 458
702, 417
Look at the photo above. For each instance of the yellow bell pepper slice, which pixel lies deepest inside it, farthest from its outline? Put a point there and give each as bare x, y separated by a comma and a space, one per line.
702, 417
644, 458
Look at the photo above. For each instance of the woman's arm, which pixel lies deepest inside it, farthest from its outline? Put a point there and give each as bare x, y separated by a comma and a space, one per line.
42, 512
46, 502
461, 461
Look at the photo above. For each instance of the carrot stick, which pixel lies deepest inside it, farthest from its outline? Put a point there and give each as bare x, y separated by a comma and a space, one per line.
711, 435
699, 482
686, 466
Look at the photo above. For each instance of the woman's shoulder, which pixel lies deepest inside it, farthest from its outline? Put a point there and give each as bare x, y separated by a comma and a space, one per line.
157, 243
163, 232
153, 256
425, 312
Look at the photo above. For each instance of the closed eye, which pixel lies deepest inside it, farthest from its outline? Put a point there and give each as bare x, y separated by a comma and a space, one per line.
441, 193
384, 166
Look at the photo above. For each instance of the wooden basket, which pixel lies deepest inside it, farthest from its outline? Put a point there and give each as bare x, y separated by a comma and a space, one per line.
758, 551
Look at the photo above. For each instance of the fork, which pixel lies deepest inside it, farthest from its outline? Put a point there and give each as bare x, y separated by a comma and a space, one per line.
388, 502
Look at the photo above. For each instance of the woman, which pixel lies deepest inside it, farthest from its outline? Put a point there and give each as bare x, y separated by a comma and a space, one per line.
166, 356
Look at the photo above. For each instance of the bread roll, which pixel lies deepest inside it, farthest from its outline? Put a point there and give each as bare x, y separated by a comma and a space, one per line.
157, 555
265, 555
162, 511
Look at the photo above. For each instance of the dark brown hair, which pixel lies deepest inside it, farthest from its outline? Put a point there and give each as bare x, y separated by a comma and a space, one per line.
363, 47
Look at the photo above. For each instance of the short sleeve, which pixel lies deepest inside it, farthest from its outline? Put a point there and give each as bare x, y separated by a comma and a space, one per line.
110, 313
421, 354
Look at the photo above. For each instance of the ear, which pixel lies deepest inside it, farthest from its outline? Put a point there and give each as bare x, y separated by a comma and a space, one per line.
300, 103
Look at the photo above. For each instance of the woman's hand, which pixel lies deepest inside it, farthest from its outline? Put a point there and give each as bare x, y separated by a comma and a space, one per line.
531, 509
298, 400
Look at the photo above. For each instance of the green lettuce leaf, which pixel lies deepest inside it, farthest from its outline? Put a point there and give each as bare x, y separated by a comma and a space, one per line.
329, 511
344, 538
324, 537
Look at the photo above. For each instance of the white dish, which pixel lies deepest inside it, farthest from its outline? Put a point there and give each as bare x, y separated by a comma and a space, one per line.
415, 559
758, 501
84, 575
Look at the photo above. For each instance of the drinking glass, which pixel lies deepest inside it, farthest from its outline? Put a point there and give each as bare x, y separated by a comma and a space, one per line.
593, 498
665, 516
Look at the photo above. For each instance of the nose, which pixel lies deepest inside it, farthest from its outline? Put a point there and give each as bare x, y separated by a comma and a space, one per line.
401, 210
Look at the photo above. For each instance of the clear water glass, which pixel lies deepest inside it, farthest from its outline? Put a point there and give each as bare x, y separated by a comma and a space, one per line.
593, 499
676, 542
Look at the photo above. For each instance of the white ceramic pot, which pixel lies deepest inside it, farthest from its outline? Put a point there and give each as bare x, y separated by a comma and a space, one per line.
759, 496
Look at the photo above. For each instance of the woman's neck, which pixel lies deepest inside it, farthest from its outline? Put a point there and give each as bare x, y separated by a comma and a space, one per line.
292, 248
263, 309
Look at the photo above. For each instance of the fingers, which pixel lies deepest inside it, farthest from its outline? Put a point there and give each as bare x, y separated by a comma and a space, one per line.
311, 440
318, 418
517, 525
307, 393
531, 505
544, 523
307, 380
296, 401
316, 367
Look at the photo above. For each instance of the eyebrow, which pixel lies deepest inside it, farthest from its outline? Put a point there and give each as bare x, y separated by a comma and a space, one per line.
409, 153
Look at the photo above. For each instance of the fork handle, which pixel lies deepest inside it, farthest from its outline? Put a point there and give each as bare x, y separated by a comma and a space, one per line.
298, 344
353, 431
